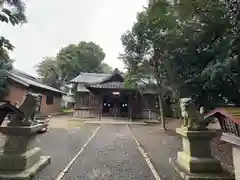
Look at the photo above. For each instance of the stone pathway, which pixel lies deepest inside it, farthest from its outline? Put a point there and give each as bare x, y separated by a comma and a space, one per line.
115, 122
160, 146
62, 145
112, 153
116, 152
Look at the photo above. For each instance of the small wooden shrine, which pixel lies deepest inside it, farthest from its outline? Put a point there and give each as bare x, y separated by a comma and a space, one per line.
105, 95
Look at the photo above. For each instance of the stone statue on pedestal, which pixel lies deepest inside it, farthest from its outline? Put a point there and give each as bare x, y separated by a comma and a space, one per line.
195, 161
29, 108
21, 158
193, 120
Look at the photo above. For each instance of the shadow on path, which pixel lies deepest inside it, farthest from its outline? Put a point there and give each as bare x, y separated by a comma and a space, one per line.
62, 145
160, 146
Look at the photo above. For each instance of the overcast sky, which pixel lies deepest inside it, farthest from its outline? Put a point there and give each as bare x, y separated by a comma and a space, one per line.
53, 24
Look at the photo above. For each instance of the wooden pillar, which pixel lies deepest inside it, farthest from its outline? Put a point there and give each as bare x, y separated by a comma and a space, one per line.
137, 103
100, 106
130, 107
90, 103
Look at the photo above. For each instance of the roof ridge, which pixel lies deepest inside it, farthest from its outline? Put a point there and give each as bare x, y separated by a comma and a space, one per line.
22, 72
30, 80
85, 77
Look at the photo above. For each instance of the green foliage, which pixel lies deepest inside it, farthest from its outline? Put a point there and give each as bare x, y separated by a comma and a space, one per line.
146, 49
190, 47
49, 72
201, 56
84, 57
105, 68
11, 12
70, 61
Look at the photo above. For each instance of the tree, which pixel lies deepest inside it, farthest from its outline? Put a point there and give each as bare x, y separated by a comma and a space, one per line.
5, 65
11, 12
105, 68
70, 61
48, 72
182, 44
146, 48
201, 58
83, 57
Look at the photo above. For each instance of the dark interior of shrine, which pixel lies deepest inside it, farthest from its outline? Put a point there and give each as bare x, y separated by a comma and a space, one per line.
115, 104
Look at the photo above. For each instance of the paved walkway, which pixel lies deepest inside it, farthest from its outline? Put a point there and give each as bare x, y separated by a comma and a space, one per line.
113, 152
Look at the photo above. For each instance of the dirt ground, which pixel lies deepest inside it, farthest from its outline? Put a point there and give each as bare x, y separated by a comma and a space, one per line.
65, 122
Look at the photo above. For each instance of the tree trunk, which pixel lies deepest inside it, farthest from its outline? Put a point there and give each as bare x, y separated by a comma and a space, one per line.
156, 64
160, 105
162, 119
177, 98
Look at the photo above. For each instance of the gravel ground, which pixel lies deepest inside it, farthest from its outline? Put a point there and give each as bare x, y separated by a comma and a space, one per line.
111, 155
64, 121
62, 145
223, 152
160, 146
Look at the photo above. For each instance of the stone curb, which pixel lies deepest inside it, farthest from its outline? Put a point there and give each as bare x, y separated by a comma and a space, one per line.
59, 114
114, 123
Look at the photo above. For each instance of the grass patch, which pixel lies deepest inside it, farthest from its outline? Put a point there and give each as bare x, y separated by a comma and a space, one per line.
67, 110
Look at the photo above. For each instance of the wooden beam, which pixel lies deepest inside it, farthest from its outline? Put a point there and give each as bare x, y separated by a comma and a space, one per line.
100, 100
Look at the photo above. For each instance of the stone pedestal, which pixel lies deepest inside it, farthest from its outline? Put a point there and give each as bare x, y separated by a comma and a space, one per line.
195, 161
20, 158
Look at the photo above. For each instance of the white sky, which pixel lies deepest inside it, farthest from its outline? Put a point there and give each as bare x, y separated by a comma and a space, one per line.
53, 24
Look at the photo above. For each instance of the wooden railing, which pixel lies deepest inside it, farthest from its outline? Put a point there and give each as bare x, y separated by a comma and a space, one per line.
229, 126
228, 121
226, 149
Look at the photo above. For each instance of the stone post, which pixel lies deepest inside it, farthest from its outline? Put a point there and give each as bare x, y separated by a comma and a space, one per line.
195, 161
20, 158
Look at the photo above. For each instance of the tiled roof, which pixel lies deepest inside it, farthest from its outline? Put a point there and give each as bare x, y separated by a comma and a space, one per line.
108, 85
91, 78
29, 80
94, 78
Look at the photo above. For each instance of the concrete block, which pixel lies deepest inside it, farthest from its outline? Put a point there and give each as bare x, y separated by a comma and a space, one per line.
28, 173
186, 175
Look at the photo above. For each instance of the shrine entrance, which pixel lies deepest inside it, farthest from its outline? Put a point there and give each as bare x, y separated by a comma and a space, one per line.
115, 104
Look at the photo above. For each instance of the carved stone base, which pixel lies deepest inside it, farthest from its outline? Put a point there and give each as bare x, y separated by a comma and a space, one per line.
19, 162
21, 159
28, 173
186, 175
196, 161
199, 165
